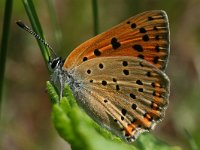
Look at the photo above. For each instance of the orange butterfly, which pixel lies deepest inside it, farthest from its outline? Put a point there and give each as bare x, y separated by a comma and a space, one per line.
118, 76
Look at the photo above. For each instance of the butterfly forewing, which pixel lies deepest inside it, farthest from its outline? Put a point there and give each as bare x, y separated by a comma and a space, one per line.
145, 36
125, 94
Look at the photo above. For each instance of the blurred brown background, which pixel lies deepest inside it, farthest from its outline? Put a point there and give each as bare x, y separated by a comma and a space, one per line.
26, 108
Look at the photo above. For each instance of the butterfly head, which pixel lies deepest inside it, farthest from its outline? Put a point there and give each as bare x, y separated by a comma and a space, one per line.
55, 63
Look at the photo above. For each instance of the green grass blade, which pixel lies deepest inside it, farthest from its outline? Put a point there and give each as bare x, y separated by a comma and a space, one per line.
191, 141
57, 31
95, 16
4, 44
30, 10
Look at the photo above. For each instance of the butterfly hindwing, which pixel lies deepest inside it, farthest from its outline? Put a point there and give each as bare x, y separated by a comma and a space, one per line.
125, 94
145, 36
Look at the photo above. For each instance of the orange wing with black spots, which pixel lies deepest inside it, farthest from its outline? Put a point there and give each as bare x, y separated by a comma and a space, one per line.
145, 36
118, 76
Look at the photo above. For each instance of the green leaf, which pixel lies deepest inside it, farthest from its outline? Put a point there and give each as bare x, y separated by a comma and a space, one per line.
146, 141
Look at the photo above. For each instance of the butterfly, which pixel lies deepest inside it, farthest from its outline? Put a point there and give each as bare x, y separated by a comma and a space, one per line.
118, 77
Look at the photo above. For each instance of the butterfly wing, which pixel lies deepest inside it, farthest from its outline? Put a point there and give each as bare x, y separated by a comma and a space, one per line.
145, 36
125, 94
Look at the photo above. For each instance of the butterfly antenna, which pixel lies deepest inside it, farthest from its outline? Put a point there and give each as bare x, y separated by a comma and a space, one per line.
28, 29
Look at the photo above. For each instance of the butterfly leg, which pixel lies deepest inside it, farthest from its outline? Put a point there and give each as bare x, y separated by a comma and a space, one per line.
61, 85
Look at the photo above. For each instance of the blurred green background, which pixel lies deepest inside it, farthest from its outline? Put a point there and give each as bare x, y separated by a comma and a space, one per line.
26, 115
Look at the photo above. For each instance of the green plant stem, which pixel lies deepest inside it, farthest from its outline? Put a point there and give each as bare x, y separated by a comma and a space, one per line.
4, 45
30, 10
95, 16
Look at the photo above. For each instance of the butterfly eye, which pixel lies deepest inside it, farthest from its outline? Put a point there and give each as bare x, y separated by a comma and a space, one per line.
54, 63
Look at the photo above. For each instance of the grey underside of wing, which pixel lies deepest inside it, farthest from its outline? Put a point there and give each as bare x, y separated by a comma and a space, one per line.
107, 89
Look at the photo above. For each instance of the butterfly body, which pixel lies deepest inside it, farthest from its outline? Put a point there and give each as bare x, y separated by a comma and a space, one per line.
118, 76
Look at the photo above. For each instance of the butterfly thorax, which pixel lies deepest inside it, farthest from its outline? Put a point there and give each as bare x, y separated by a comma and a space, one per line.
60, 76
